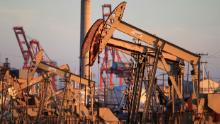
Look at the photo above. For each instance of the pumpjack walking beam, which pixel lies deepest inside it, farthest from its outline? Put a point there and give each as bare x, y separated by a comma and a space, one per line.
102, 35
91, 45
61, 72
94, 44
114, 22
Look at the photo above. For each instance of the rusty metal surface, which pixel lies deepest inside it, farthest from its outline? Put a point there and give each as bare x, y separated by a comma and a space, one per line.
214, 102
110, 24
108, 116
68, 105
91, 42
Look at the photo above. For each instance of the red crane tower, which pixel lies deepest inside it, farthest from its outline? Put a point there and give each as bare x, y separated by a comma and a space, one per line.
24, 45
112, 67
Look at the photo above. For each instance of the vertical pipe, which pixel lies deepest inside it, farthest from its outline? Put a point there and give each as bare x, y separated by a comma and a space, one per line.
182, 84
208, 83
198, 78
84, 27
173, 102
164, 90
203, 77
187, 81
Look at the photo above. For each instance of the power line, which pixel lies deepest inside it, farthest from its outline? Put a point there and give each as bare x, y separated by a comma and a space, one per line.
215, 53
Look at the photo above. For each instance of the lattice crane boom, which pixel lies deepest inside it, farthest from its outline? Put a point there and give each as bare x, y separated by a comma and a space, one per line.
23, 44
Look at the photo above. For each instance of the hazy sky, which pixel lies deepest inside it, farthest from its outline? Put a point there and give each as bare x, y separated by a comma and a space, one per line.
191, 24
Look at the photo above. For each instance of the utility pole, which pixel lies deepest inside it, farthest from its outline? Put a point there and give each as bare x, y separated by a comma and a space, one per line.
203, 68
203, 63
187, 79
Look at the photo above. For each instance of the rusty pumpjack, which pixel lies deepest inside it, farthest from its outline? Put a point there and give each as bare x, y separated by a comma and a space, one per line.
100, 35
68, 102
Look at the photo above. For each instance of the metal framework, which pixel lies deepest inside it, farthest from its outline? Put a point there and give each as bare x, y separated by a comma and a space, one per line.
30, 49
112, 68
33, 99
24, 45
101, 35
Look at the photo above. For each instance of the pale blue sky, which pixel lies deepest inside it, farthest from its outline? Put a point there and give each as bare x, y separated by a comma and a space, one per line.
191, 24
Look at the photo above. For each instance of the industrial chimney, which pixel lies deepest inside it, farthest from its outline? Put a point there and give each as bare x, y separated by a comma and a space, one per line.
84, 27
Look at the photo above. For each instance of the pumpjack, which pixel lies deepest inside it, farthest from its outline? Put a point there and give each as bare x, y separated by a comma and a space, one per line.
158, 51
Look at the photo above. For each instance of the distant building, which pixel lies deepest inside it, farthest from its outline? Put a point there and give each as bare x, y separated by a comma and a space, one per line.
208, 86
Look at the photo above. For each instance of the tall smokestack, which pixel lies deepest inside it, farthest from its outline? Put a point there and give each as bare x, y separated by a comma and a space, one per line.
84, 27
